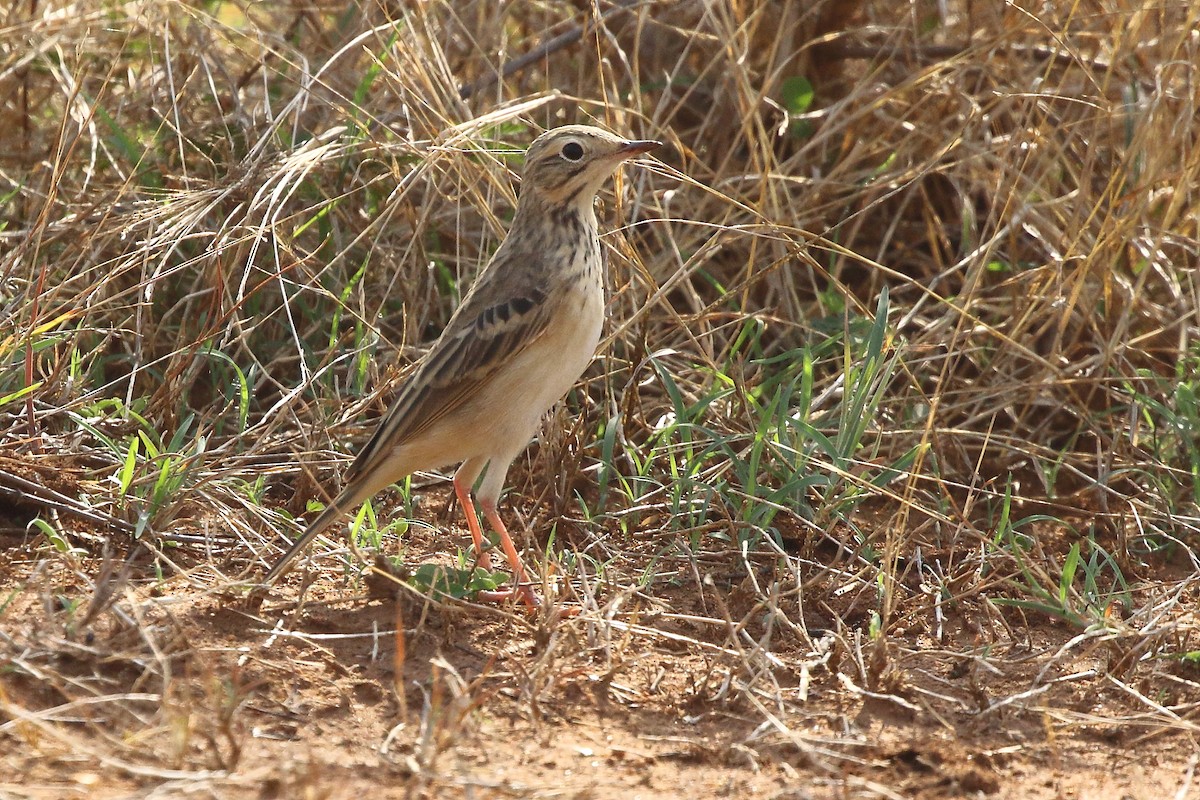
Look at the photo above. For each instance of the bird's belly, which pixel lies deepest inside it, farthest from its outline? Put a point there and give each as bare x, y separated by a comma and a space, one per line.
500, 419
543, 373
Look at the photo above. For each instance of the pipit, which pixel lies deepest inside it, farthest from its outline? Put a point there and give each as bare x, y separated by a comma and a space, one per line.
521, 337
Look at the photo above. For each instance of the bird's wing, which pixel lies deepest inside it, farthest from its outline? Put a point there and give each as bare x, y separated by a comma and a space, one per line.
482, 337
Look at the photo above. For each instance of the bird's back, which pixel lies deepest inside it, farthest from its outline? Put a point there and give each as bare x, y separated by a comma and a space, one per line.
522, 335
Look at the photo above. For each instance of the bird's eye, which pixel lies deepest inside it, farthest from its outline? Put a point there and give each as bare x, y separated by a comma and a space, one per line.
572, 151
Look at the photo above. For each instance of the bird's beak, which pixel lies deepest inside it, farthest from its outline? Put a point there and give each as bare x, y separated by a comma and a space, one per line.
637, 147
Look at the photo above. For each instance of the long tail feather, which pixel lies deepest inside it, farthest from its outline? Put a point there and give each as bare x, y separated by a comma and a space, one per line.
349, 499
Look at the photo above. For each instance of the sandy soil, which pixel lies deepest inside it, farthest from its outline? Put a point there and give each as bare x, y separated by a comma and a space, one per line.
174, 690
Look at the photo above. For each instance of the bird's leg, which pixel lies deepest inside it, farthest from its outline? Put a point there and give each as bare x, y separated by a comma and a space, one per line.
462, 489
523, 589
464, 498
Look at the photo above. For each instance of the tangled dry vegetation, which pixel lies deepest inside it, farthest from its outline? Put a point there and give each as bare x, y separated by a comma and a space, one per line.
885, 485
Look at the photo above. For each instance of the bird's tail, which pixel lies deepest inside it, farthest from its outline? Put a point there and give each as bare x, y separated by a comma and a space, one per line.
347, 500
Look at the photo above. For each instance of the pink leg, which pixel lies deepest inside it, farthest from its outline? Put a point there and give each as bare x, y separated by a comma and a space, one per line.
523, 589
464, 498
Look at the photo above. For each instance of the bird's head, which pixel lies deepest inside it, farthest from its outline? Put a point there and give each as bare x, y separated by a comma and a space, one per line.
568, 165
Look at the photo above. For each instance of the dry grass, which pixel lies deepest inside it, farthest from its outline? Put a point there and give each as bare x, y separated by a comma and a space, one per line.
885, 486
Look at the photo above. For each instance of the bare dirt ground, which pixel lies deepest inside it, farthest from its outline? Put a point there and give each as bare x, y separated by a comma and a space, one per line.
647, 696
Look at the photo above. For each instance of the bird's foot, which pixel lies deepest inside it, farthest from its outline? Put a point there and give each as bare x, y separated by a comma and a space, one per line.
532, 602
524, 592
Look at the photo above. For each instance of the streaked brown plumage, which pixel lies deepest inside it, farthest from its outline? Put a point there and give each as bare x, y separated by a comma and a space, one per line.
521, 337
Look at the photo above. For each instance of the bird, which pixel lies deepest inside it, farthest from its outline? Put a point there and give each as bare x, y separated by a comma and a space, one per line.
518, 341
